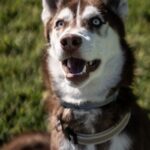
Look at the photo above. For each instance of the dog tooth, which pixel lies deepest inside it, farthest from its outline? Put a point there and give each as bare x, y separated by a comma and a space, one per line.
68, 63
84, 69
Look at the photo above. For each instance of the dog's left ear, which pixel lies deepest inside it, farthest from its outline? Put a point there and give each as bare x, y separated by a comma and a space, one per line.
120, 7
49, 8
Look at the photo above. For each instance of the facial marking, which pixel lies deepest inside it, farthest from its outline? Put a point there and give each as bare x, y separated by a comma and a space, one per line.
91, 11
78, 14
66, 14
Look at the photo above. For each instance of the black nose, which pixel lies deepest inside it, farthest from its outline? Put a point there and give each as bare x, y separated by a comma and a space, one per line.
71, 42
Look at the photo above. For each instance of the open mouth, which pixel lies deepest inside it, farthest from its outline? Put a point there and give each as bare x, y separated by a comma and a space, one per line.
76, 68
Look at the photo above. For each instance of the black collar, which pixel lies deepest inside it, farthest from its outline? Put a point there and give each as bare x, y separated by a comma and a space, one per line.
91, 105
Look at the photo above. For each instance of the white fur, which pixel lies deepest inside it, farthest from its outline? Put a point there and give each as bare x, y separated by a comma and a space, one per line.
46, 14
67, 145
121, 142
78, 14
91, 11
66, 14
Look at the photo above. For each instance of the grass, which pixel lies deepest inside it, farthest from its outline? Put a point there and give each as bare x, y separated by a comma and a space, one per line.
21, 42
138, 28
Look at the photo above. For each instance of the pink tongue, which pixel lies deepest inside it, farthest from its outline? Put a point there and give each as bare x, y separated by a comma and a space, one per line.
75, 65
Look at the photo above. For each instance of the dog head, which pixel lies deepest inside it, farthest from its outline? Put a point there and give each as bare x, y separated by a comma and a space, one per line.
85, 37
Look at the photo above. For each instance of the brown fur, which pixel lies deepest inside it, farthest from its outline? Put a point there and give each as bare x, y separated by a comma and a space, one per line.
29, 141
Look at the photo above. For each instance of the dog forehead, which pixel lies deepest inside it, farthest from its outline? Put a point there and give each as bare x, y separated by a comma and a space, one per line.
78, 6
66, 13
72, 3
89, 11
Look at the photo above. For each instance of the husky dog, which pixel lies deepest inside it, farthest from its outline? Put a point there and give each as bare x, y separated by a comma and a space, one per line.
89, 67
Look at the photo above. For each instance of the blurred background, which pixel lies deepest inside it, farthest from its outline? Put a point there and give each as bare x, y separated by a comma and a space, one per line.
21, 43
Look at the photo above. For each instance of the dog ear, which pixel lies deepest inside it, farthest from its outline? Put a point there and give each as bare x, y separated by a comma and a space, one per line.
49, 8
120, 7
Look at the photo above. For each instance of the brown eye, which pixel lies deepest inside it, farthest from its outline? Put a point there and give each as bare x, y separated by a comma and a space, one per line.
59, 24
95, 22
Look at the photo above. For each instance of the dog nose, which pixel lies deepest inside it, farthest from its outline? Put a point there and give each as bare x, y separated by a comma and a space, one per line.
71, 42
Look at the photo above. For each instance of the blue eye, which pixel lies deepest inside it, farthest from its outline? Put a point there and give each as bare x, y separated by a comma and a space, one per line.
59, 24
95, 22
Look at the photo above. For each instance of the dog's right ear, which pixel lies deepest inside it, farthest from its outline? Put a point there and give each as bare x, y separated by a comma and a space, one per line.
120, 7
49, 8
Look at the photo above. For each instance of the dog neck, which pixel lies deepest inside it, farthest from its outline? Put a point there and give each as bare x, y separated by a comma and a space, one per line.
113, 118
112, 95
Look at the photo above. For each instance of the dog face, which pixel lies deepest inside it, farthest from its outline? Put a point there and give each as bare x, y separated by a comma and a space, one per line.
85, 54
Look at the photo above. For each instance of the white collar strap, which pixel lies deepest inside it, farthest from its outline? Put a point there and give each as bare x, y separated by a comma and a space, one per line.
91, 105
106, 135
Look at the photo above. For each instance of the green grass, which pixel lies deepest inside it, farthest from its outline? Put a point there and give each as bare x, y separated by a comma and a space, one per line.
138, 28
21, 42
